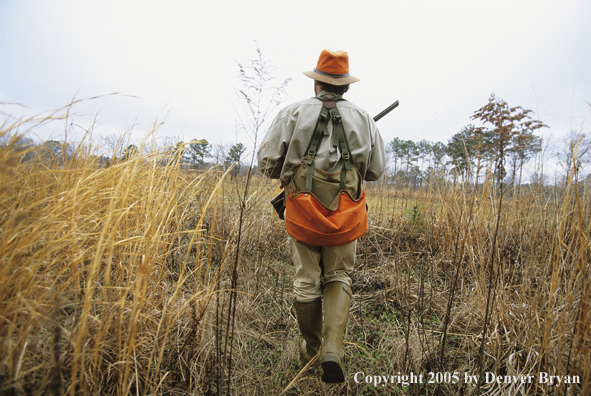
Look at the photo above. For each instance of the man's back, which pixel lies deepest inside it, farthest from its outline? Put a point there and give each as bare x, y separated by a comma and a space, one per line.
288, 137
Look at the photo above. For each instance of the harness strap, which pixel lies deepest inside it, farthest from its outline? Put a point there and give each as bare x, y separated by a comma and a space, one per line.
319, 132
339, 139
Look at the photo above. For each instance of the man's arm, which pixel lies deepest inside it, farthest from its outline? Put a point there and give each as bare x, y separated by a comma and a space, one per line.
270, 165
377, 158
271, 155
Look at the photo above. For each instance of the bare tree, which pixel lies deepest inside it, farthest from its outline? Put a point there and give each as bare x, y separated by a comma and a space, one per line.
574, 150
114, 144
524, 147
219, 153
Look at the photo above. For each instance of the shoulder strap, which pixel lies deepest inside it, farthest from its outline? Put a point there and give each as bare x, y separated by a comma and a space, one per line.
320, 131
339, 139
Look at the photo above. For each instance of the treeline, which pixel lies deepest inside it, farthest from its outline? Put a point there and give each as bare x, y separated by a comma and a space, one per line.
462, 159
199, 154
196, 154
499, 150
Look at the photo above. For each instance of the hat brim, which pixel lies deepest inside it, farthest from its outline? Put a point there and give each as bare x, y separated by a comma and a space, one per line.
331, 80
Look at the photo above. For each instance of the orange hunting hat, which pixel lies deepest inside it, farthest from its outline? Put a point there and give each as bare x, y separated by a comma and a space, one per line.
332, 68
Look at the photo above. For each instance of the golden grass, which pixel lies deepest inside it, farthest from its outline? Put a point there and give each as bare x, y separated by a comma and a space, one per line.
100, 267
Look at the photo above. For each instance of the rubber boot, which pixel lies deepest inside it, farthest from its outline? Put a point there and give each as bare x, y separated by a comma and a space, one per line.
337, 302
310, 321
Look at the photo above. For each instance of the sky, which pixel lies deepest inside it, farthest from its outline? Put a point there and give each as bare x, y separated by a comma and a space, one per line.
177, 61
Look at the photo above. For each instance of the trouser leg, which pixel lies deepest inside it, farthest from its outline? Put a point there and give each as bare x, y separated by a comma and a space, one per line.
338, 263
306, 260
317, 266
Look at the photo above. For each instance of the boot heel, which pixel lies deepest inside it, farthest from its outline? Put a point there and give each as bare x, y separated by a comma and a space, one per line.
332, 371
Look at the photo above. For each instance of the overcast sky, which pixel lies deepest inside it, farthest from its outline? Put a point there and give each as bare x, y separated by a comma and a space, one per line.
440, 59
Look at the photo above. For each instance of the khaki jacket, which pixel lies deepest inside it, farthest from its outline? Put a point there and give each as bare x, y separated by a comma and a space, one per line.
286, 141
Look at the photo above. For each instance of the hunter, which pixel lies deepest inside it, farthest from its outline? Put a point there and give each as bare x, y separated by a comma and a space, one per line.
321, 149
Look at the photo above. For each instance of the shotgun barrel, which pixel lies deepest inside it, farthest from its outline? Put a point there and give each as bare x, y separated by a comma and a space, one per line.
386, 111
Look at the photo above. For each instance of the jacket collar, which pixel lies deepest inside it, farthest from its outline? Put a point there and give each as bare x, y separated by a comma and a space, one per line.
324, 95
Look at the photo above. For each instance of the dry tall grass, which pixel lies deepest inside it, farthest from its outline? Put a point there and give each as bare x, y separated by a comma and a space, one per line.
106, 272
116, 281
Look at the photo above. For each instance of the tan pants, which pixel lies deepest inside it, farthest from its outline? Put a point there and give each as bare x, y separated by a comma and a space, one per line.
315, 266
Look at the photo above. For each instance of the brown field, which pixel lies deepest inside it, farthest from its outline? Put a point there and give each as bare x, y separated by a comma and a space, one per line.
146, 279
